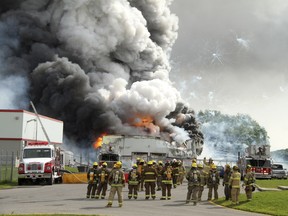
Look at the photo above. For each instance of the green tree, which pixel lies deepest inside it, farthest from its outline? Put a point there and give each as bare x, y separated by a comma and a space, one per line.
230, 133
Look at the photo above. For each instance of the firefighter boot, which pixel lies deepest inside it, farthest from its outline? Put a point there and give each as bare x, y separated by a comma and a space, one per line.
109, 204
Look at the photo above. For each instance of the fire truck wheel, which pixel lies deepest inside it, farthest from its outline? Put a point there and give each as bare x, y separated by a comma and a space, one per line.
20, 181
50, 180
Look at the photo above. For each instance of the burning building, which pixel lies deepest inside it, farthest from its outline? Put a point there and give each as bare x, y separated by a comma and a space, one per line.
99, 66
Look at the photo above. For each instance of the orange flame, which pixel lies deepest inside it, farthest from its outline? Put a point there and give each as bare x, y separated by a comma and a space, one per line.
141, 121
98, 142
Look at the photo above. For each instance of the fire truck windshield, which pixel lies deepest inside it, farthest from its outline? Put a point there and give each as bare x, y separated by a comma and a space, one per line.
37, 153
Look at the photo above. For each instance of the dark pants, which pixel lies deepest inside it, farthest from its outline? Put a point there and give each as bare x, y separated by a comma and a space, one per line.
133, 191
166, 188
213, 187
91, 188
227, 191
101, 187
200, 192
150, 189
175, 179
192, 191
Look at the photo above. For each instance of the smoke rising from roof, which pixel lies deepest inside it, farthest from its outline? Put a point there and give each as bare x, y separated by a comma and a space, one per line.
93, 64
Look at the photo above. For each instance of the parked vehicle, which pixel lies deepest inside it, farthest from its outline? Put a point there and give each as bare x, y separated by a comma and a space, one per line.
278, 171
41, 162
258, 156
221, 171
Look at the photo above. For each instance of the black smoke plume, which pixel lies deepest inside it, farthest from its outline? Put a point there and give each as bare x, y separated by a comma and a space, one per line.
99, 66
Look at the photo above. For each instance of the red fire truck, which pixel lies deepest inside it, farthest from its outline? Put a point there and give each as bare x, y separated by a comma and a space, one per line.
259, 159
40, 162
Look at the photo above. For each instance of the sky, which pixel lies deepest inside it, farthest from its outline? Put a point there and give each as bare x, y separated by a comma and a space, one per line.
231, 56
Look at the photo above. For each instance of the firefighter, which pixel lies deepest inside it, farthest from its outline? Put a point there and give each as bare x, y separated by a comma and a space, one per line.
226, 179
203, 180
182, 172
116, 180
175, 172
134, 178
154, 164
149, 176
92, 180
193, 177
103, 174
167, 181
140, 167
159, 177
234, 183
249, 180
213, 181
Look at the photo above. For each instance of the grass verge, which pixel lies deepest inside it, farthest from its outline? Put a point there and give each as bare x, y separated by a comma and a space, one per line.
274, 183
268, 202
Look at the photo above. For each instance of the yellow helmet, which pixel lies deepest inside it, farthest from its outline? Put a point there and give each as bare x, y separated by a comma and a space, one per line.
118, 164
194, 165
227, 166
235, 167
213, 166
95, 164
200, 165
249, 166
149, 163
134, 166
160, 162
104, 164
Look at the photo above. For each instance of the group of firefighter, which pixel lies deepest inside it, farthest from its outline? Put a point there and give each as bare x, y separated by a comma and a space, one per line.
158, 176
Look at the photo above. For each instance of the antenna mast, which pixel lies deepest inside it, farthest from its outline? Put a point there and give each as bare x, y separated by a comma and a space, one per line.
45, 133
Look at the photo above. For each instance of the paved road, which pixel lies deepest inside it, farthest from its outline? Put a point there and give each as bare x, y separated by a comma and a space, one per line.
70, 198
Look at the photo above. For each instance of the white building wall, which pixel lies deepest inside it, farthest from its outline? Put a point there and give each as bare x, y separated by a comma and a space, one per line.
24, 125
19, 126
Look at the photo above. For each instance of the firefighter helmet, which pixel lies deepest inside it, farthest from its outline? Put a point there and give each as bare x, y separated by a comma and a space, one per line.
194, 165
200, 165
235, 167
134, 166
227, 166
160, 162
149, 163
249, 166
118, 164
95, 164
213, 166
104, 164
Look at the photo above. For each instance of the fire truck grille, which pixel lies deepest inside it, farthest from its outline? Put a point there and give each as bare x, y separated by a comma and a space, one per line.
35, 167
